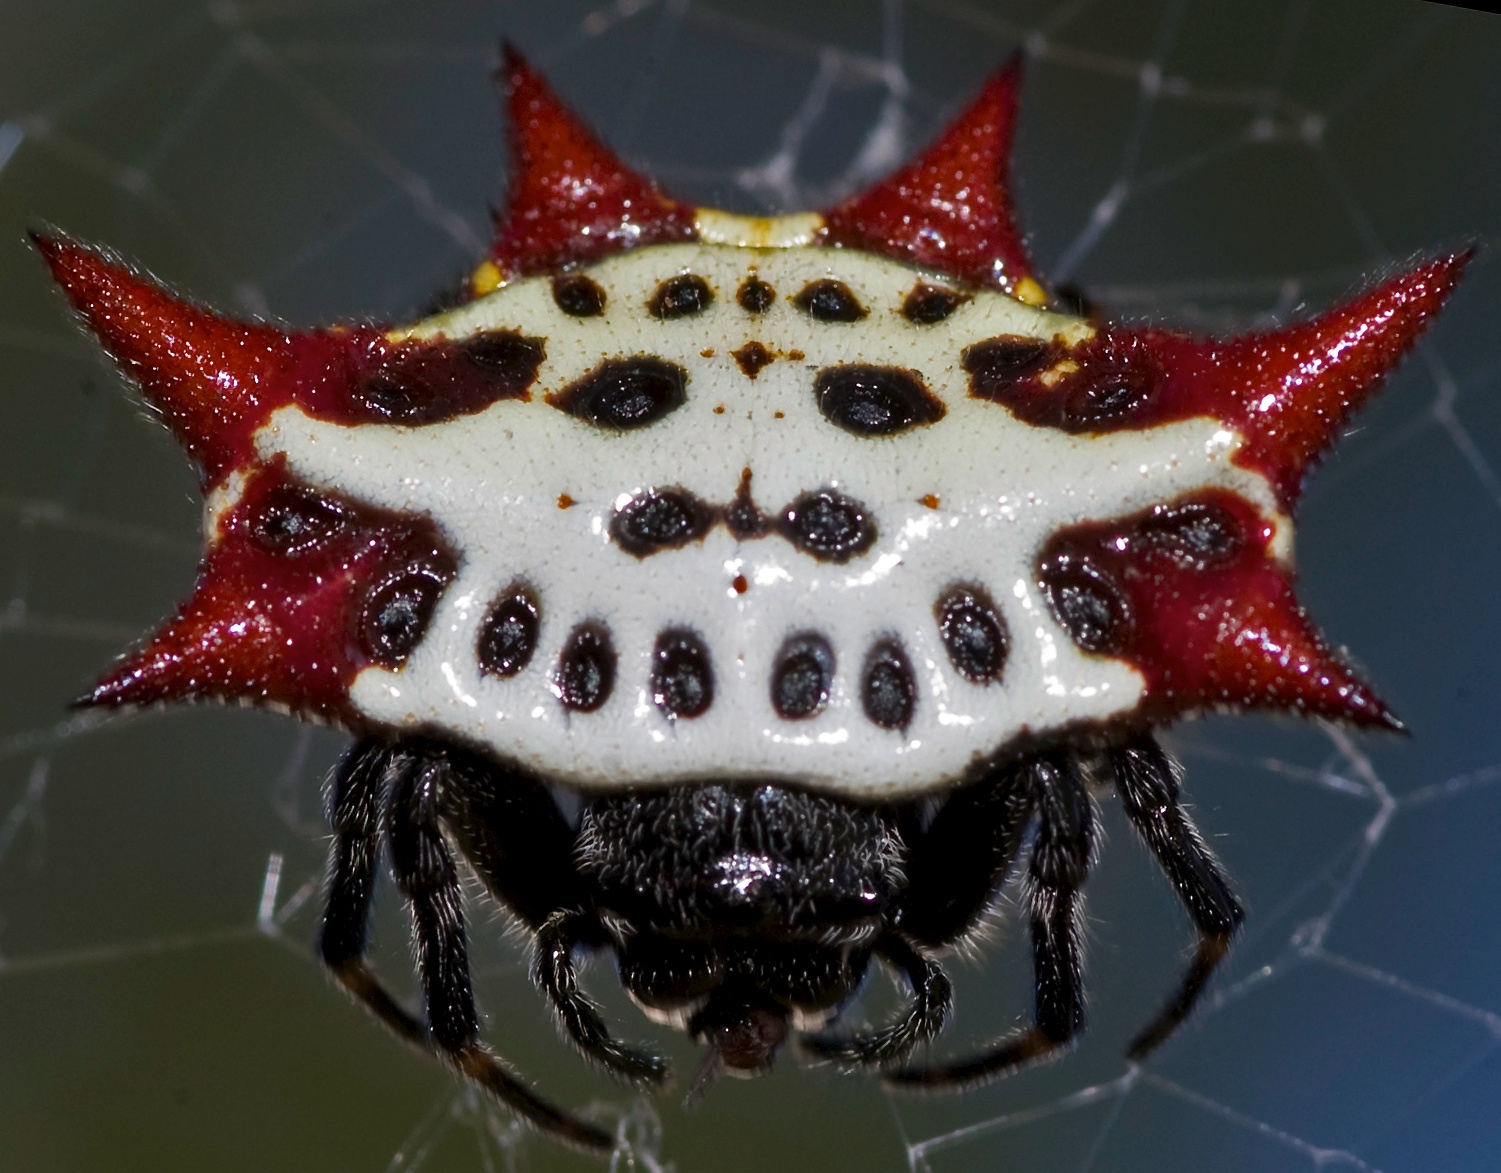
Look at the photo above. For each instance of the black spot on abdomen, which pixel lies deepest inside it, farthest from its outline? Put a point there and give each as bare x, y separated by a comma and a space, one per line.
828, 525
682, 678
293, 519
1087, 604
578, 296
928, 304
802, 676
508, 635
973, 633
875, 401
660, 519
396, 615
828, 300
585, 674
996, 365
888, 690
680, 297
622, 394
427, 382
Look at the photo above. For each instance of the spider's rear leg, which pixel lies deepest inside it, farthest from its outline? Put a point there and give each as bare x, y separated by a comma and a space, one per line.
1147, 783
1052, 784
375, 784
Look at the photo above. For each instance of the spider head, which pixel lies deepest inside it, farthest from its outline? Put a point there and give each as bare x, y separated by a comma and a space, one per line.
739, 913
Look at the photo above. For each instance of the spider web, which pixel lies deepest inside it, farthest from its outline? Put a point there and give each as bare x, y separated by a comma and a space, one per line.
1213, 166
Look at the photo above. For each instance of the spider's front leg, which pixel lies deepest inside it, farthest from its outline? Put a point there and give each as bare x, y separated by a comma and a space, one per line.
402, 788
554, 972
1147, 783
1051, 784
954, 870
926, 1016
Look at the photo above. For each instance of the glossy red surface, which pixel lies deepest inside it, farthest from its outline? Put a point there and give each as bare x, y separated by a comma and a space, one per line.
273, 625
949, 210
215, 381
1229, 633
571, 200
1287, 391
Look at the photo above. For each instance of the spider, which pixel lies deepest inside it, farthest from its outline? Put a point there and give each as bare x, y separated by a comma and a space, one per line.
823, 560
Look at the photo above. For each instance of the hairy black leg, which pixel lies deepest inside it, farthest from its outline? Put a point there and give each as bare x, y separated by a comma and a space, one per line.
507, 825
1148, 785
554, 973
957, 866
928, 1014
355, 805
1057, 869
375, 785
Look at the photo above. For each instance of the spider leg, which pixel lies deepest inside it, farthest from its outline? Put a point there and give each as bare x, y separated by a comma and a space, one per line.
1057, 869
1148, 786
554, 973
957, 866
375, 784
932, 1000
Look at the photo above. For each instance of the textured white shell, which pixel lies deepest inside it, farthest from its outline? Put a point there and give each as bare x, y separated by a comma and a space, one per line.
493, 482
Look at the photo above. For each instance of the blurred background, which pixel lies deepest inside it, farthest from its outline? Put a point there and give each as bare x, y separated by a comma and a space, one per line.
1212, 166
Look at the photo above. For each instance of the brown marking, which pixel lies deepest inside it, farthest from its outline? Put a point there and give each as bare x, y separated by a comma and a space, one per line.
752, 357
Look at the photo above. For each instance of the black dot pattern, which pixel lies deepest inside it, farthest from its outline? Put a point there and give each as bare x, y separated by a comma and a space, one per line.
828, 525
828, 300
395, 397
1198, 534
755, 296
682, 678
586, 669
505, 354
293, 519
660, 519
508, 635
578, 296
973, 633
996, 365
888, 690
680, 297
1091, 608
929, 304
623, 394
875, 401
396, 615
802, 677
1095, 400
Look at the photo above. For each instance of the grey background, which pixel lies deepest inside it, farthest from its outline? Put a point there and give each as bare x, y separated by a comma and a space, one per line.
316, 160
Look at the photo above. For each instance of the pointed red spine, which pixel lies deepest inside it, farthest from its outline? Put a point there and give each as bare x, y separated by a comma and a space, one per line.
273, 624
215, 381
207, 376
1290, 391
1209, 624
571, 200
1287, 392
951, 209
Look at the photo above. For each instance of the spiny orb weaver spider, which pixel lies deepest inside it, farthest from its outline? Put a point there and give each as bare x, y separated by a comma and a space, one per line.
820, 556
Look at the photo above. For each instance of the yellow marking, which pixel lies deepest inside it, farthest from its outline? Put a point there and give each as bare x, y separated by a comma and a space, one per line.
486, 279
1057, 371
716, 227
1028, 292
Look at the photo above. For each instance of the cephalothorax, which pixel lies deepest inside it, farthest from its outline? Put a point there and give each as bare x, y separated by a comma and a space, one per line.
818, 553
